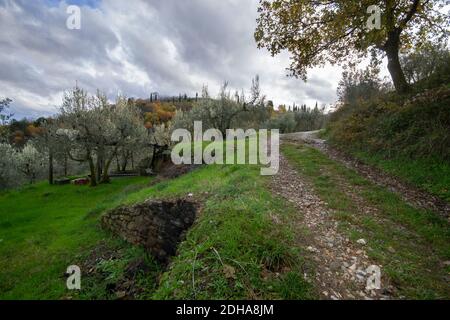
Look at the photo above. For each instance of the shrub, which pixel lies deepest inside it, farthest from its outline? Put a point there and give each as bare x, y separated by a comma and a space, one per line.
419, 127
300, 120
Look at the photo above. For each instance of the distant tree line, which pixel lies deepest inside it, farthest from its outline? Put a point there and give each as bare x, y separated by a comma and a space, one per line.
90, 134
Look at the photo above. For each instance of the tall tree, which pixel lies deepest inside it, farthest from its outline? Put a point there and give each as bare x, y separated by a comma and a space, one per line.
337, 31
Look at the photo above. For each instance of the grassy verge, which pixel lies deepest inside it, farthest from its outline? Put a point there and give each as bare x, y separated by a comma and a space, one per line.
410, 244
407, 137
427, 174
235, 250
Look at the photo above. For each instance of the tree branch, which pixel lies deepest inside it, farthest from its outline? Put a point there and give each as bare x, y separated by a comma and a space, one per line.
410, 14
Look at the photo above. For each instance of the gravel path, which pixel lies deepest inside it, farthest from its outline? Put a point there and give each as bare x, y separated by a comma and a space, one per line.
341, 266
412, 195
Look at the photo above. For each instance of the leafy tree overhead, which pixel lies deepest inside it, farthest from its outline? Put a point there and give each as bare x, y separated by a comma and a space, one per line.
336, 31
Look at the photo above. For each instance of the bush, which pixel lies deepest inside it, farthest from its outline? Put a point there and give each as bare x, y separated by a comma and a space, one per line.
301, 120
416, 128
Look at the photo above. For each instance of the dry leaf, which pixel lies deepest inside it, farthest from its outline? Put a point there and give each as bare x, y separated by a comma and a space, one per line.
229, 271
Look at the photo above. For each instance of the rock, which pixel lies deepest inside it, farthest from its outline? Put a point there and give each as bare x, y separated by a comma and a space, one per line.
312, 249
360, 275
362, 242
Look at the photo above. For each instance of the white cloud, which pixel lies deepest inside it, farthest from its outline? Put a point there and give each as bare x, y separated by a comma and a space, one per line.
136, 47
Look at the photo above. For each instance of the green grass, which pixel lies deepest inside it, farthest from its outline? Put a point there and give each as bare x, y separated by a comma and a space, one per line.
233, 241
44, 229
427, 174
234, 250
411, 244
407, 137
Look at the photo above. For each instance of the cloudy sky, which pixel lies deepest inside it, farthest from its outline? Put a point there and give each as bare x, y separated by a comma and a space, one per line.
135, 47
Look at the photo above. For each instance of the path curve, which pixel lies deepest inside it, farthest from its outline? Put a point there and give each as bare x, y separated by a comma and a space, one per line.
411, 194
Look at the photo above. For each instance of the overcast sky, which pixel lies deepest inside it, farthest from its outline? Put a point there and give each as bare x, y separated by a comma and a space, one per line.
135, 47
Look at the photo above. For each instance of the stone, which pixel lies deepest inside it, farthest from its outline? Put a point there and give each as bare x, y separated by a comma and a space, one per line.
312, 249
362, 242
158, 226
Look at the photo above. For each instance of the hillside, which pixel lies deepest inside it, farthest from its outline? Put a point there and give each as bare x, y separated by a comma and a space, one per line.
254, 237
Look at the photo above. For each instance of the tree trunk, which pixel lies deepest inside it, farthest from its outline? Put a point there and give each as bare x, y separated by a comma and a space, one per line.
50, 167
65, 165
125, 156
107, 164
132, 161
99, 166
93, 174
154, 156
117, 163
124, 164
105, 176
395, 69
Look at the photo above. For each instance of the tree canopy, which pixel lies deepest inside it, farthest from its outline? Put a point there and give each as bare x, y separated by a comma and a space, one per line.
336, 31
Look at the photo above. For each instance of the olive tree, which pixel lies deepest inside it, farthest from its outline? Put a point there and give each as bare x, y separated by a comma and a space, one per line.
224, 111
96, 131
29, 162
127, 132
8, 173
